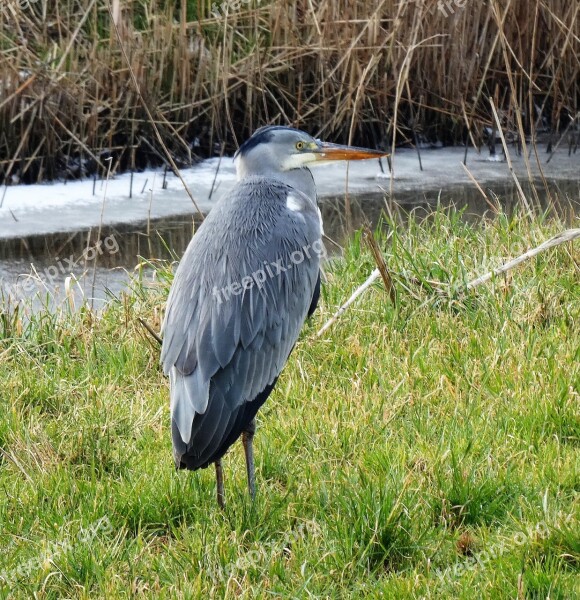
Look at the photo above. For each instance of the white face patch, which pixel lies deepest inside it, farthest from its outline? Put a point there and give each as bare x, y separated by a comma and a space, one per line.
297, 161
294, 202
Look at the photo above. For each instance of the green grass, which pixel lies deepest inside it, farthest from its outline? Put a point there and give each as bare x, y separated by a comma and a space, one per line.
424, 451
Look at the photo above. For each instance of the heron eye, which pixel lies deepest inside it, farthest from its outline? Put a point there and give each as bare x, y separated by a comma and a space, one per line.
299, 145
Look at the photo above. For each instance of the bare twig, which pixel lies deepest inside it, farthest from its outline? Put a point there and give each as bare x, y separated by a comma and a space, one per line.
481, 190
358, 292
217, 170
10, 456
150, 330
561, 238
380, 261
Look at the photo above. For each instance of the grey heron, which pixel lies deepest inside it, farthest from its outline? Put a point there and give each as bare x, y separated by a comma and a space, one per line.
241, 293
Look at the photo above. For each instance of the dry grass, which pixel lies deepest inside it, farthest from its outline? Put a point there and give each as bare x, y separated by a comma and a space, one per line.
377, 72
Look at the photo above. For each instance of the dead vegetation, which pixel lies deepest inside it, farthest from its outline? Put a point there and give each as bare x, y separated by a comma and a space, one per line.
378, 72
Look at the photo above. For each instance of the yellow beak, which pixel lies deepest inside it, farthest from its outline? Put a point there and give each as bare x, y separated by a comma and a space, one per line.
327, 151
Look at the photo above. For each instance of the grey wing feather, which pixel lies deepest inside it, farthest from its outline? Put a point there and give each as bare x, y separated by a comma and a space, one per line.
245, 338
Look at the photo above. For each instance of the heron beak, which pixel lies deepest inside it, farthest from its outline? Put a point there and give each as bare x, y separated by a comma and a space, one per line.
327, 151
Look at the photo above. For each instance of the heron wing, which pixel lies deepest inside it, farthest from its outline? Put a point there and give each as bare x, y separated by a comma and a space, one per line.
240, 296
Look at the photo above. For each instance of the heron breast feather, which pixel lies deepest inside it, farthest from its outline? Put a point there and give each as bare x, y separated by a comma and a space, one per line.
295, 203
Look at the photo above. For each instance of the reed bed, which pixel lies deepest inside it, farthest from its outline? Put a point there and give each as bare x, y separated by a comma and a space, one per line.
377, 72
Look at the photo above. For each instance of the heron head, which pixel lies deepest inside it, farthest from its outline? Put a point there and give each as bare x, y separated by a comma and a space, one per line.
276, 148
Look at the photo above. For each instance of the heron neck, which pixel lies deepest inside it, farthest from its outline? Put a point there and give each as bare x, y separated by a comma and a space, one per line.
299, 179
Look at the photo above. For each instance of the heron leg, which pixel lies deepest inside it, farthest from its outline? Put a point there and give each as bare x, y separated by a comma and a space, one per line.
219, 476
247, 439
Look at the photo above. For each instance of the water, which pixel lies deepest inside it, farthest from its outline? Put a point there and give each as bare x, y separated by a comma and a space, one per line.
35, 268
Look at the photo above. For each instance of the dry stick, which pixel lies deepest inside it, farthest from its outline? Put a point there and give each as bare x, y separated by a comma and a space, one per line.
381, 265
561, 23
20, 88
178, 137
153, 149
150, 330
347, 205
314, 18
13, 458
148, 112
469, 134
74, 36
225, 71
333, 242
23, 140
360, 290
403, 75
149, 214
32, 157
481, 191
78, 140
468, 125
490, 56
363, 80
508, 158
217, 171
506, 47
4, 196
561, 238
413, 123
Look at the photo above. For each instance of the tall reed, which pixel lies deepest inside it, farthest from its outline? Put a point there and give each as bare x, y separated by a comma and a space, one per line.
376, 72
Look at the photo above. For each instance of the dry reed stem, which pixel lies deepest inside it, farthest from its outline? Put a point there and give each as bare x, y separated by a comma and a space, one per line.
380, 262
375, 72
509, 160
149, 115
